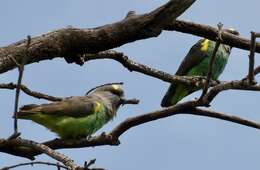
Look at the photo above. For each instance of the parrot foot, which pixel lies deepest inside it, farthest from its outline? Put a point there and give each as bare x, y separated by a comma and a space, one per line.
205, 104
78, 59
88, 137
114, 141
246, 81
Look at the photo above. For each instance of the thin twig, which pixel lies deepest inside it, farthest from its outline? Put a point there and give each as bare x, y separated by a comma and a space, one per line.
235, 85
29, 92
257, 70
212, 61
34, 163
251, 79
88, 164
19, 82
224, 116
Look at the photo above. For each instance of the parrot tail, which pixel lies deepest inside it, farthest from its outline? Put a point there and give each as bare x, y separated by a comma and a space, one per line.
25, 111
174, 94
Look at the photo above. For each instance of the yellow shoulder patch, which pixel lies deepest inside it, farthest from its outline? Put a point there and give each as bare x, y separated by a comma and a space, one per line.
205, 45
97, 107
115, 86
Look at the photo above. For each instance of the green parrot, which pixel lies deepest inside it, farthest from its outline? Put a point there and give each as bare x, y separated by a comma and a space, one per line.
77, 116
196, 63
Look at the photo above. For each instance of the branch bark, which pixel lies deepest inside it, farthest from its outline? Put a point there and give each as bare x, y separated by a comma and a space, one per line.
211, 33
34, 163
72, 42
29, 92
45, 149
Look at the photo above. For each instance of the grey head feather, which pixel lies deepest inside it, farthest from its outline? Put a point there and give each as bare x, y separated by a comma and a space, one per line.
110, 100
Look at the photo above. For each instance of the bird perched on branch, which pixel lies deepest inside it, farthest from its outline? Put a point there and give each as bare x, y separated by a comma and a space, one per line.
196, 63
78, 116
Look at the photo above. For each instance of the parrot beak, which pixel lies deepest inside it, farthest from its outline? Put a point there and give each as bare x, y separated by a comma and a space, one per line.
128, 101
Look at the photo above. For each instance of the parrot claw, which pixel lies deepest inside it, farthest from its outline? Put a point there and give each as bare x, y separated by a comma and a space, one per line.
103, 134
114, 141
88, 137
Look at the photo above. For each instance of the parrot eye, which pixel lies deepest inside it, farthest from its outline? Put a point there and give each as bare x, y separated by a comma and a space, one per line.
118, 92
232, 31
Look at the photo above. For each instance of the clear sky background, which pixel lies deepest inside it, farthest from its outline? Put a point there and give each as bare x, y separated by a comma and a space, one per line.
179, 142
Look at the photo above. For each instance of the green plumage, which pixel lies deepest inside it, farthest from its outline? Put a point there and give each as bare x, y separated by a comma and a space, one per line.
196, 63
76, 117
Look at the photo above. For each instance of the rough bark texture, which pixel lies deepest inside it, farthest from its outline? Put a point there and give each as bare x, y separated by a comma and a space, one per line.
72, 42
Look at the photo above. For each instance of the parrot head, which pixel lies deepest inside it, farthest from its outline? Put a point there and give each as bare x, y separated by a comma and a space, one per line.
231, 31
112, 94
113, 88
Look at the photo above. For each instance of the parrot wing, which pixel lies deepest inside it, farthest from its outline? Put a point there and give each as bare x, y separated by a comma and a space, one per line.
193, 58
73, 106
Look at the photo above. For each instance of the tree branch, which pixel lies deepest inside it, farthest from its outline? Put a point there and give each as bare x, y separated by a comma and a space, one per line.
144, 69
18, 88
212, 61
45, 149
235, 85
251, 78
34, 163
224, 116
72, 42
211, 33
29, 92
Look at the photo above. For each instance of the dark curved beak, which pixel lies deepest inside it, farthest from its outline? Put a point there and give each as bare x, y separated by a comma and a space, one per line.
128, 101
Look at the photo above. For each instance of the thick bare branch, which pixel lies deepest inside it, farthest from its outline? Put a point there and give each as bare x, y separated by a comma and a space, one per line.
211, 33
72, 42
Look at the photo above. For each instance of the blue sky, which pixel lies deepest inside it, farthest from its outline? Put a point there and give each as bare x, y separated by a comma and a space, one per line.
179, 142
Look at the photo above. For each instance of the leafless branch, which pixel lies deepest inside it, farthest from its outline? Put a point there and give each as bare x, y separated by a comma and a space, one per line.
81, 41
235, 85
224, 116
18, 88
251, 78
34, 163
144, 69
29, 92
211, 33
72, 42
212, 61
257, 70
45, 149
